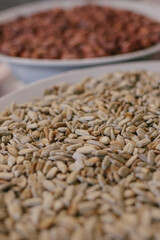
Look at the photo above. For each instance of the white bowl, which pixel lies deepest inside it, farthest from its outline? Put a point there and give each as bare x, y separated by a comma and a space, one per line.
30, 70
36, 89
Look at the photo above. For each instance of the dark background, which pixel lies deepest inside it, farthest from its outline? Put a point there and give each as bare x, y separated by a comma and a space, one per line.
10, 3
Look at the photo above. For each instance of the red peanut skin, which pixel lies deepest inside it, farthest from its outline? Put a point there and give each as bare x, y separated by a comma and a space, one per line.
82, 32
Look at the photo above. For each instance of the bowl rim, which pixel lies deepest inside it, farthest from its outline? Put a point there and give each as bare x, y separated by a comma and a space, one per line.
150, 10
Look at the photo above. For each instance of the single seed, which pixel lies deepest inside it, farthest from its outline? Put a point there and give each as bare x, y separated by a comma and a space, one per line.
46, 223
105, 140
129, 148
15, 210
143, 142
61, 166
123, 171
26, 151
30, 202
72, 177
151, 157
81, 132
158, 147
86, 149
131, 160
52, 173
6, 175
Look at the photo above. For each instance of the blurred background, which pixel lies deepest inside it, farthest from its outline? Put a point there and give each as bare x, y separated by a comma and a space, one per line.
7, 82
4, 4
10, 3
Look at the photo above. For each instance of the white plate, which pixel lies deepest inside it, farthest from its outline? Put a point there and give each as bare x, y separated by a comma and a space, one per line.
30, 70
37, 89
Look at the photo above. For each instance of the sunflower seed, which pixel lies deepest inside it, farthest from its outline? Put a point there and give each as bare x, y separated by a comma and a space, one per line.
83, 161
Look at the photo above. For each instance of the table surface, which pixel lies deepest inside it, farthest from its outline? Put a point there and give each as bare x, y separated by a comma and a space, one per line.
7, 82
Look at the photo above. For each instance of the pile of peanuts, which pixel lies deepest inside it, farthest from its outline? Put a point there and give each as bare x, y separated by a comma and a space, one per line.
87, 31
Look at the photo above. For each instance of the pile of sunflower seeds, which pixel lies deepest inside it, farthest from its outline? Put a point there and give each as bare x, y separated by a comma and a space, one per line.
83, 162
